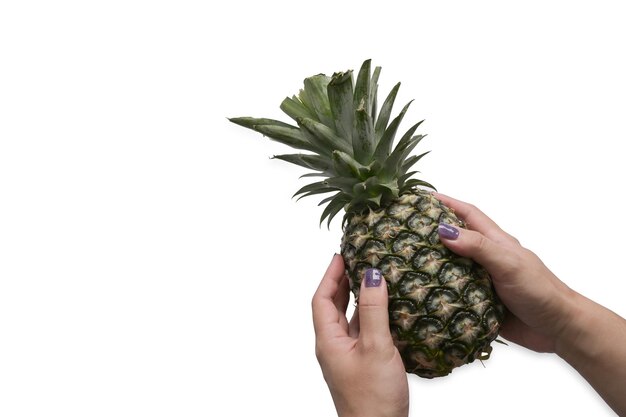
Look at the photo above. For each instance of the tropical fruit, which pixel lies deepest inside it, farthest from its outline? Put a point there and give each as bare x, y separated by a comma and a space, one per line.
443, 309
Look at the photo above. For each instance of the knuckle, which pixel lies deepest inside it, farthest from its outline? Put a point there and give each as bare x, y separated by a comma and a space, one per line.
369, 346
472, 207
368, 304
513, 262
480, 242
474, 211
315, 301
375, 347
320, 351
515, 240
319, 354
509, 240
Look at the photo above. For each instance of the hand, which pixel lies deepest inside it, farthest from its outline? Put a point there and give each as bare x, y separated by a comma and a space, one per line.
543, 313
538, 302
360, 363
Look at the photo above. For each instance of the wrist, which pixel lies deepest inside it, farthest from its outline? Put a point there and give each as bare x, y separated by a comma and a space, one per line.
402, 411
373, 409
374, 414
578, 341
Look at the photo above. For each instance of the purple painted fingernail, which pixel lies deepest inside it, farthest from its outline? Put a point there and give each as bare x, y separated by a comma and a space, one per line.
447, 231
373, 277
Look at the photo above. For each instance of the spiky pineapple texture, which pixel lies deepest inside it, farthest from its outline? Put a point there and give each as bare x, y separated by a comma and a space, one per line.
443, 309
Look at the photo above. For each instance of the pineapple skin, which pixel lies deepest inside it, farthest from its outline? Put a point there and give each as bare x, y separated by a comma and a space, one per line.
443, 310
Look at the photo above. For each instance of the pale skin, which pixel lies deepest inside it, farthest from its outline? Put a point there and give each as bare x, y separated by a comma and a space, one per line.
363, 368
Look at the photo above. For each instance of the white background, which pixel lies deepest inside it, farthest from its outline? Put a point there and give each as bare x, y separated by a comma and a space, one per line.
152, 262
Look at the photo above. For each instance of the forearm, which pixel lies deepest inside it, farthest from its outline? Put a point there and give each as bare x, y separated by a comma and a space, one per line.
594, 343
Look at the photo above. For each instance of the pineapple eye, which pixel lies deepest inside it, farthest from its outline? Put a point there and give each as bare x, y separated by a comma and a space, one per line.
358, 235
465, 326
442, 302
454, 276
400, 211
349, 255
491, 321
420, 224
393, 268
406, 245
415, 285
387, 228
359, 272
475, 294
373, 251
429, 332
428, 261
403, 314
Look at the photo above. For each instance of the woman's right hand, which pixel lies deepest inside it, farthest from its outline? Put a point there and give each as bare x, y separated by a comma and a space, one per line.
544, 314
539, 305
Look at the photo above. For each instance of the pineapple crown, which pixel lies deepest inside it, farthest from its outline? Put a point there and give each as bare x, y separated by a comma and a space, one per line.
350, 145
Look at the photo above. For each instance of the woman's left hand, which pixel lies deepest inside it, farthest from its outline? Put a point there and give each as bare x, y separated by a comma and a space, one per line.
360, 363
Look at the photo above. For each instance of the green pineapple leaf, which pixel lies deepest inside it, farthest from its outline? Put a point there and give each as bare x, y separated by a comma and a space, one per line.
251, 122
314, 162
294, 108
340, 97
319, 187
347, 166
327, 199
393, 164
345, 184
279, 131
315, 97
362, 137
402, 178
413, 182
351, 145
410, 161
335, 205
362, 87
373, 93
384, 146
385, 113
324, 136
363, 140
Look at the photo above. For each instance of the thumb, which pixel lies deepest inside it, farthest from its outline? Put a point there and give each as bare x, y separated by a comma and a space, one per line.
496, 258
373, 314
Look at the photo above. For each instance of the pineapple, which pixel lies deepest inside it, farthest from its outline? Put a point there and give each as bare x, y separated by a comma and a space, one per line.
443, 310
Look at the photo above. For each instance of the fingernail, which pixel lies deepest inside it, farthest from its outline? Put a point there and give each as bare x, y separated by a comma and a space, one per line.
447, 231
373, 277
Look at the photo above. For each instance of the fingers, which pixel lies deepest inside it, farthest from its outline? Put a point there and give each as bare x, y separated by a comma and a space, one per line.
353, 326
371, 320
342, 298
373, 315
326, 316
499, 260
475, 219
